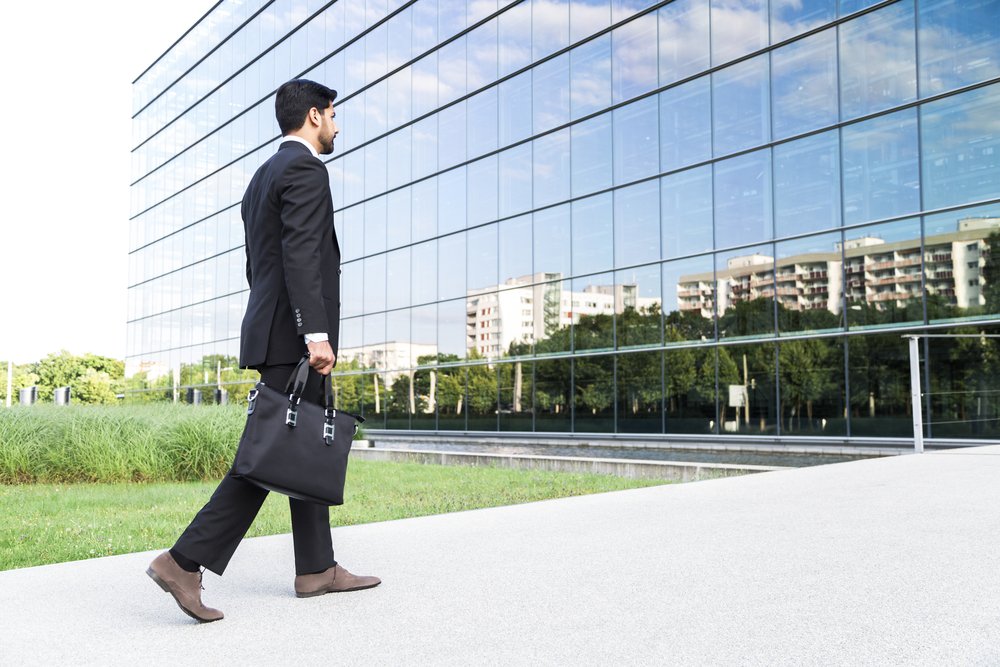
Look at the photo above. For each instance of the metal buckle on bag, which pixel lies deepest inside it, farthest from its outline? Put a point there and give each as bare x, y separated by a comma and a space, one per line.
292, 416
329, 430
251, 401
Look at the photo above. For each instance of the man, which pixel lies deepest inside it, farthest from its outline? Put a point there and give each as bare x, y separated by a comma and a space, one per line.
293, 268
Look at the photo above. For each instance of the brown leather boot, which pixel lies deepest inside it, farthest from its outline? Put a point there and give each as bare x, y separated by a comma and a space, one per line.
333, 580
184, 586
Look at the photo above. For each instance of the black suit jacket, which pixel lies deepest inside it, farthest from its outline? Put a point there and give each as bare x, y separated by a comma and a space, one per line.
293, 258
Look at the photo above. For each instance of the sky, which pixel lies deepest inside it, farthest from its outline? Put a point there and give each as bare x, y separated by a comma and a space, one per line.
66, 114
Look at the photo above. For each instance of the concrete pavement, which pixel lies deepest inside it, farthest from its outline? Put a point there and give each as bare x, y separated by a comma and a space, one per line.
883, 561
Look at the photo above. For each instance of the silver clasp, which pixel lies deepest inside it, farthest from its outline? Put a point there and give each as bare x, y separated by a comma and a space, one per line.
251, 401
329, 430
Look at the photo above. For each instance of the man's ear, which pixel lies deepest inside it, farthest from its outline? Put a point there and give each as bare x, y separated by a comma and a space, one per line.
315, 117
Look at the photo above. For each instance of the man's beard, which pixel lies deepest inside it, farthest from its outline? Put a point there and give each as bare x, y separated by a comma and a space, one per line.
326, 142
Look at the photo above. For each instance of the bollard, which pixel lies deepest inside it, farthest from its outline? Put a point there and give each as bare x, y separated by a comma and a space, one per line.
60, 396
28, 395
194, 396
221, 397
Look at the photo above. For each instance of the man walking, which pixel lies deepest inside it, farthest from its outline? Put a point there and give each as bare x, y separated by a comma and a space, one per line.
293, 268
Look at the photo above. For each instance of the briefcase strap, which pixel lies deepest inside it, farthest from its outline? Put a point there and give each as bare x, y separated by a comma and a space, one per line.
297, 383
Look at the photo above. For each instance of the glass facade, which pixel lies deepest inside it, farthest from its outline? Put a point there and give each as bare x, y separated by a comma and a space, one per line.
706, 217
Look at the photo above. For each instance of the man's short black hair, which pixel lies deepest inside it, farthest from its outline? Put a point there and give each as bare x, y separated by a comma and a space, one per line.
294, 100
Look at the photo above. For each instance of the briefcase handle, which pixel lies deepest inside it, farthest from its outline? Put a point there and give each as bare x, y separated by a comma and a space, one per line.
297, 383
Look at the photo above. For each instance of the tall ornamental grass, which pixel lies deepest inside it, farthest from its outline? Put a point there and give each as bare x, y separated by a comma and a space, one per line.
121, 443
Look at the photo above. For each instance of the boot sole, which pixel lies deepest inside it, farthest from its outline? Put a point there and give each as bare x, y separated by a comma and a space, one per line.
346, 590
162, 584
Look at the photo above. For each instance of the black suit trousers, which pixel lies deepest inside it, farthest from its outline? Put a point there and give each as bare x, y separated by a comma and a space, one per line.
212, 537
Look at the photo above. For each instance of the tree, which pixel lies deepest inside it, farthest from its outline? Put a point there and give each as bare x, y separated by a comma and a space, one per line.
804, 375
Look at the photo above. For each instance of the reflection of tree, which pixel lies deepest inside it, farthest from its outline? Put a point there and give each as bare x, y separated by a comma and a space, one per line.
991, 274
745, 318
805, 375
964, 383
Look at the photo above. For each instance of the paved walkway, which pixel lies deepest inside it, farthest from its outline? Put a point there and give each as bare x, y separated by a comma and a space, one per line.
887, 561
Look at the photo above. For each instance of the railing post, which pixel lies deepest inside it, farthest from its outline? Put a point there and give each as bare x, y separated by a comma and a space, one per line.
918, 417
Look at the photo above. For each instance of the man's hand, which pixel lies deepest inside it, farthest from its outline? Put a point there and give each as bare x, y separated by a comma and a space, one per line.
321, 357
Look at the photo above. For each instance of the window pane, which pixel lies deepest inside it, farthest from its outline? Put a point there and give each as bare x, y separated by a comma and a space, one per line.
965, 387
482, 257
549, 27
552, 319
804, 77
482, 55
425, 84
809, 279
591, 304
587, 17
959, 43
482, 397
812, 387
640, 392
482, 188
881, 173
594, 394
879, 372
633, 62
515, 110
591, 152
689, 378
451, 200
451, 139
423, 275
550, 94
794, 18
515, 180
516, 388
683, 39
686, 212
961, 148
374, 284
482, 122
424, 209
515, 38
551, 229
746, 291
551, 168
807, 185
637, 224
636, 137
740, 102
452, 400
637, 307
451, 272
398, 223
553, 387
743, 199
685, 124
878, 61
425, 147
451, 71
590, 77
398, 278
399, 167
738, 27
593, 234
514, 249
882, 272
452, 323
963, 253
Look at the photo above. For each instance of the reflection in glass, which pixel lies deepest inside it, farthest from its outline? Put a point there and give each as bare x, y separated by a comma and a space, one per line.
451, 139
549, 94
483, 120
451, 200
590, 77
738, 27
594, 394
451, 271
515, 38
961, 148
690, 382
590, 306
964, 383
879, 375
452, 325
551, 168
961, 258
425, 143
451, 70
482, 396
398, 214
804, 82
423, 209
686, 124
424, 276
514, 250
482, 52
745, 281
740, 106
882, 274
375, 225
515, 111
878, 66
587, 17
683, 39
637, 307
515, 180
958, 43
809, 279
553, 388
881, 173
593, 234
398, 278
451, 400
743, 199
590, 154
747, 397
399, 168
374, 283
516, 390
481, 257
640, 392
551, 251
551, 318
798, 16
637, 224
633, 62
482, 188
807, 184
689, 289
636, 140
686, 212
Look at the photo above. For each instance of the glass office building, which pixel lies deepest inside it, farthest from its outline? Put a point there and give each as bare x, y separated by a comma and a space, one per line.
700, 218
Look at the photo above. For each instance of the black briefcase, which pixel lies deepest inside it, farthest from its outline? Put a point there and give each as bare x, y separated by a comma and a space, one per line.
296, 448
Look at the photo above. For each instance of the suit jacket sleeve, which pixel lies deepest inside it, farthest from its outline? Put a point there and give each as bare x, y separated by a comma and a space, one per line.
246, 246
304, 194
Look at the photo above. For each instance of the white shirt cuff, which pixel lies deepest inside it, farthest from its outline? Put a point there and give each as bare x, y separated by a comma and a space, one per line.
317, 338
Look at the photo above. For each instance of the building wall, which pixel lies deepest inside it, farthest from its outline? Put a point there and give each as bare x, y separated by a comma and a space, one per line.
596, 216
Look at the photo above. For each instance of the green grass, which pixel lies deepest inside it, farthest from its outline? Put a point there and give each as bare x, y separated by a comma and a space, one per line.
53, 523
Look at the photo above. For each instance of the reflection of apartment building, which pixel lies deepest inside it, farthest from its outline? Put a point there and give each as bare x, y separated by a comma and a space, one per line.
530, 308
874, 271
388, 356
